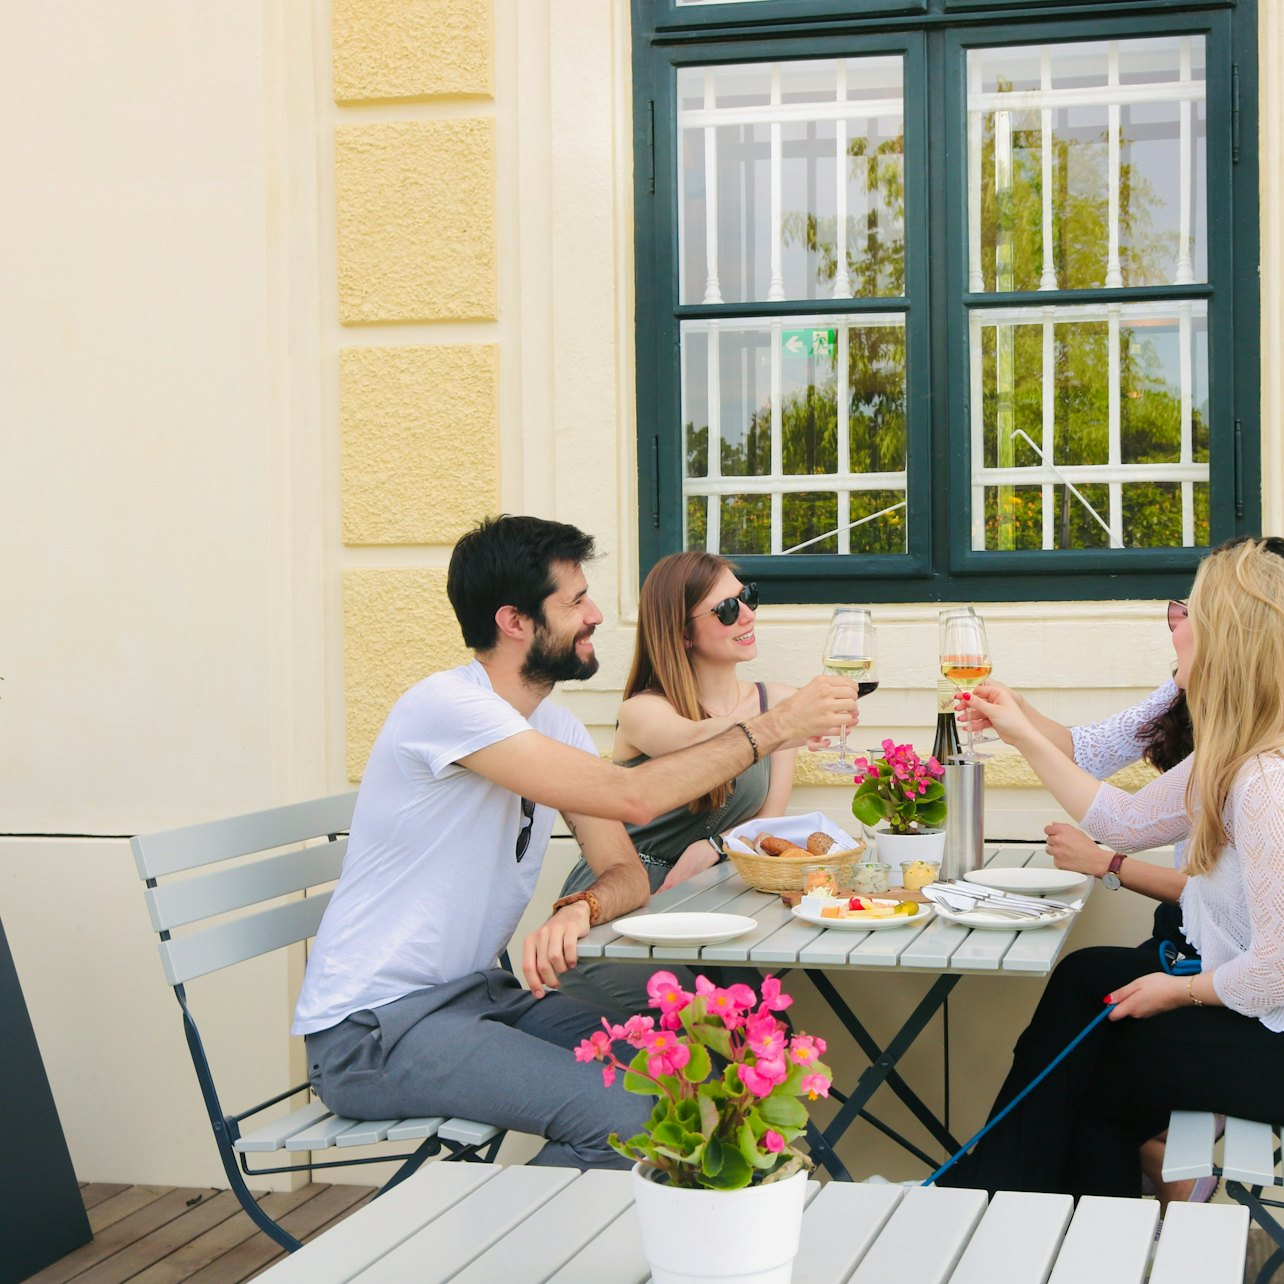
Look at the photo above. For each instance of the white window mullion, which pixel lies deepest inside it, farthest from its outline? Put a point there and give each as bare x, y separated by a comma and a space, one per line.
1114, 276
1185, 269
1186, 358
1049, 427
977, 451
712, 288
1048, 279
975, 276
1114, 454
777, 428
842, 465
713, 520
776, 289
842, 282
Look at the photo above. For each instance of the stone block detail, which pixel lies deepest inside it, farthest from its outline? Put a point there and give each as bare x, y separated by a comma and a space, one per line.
412, 49
397, 628
420, 441
416, 221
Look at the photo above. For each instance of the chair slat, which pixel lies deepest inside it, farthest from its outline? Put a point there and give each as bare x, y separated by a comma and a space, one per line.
174, 850
1188, 1151
366, 1132
1248, 1152
215, 947
467, 1132
209, 895
415, 1129
320, 1136
272, 1136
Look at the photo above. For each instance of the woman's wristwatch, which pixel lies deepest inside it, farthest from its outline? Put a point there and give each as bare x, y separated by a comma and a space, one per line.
1111, 877
715, 841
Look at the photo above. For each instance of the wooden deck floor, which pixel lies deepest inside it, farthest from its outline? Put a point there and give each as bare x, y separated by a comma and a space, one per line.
167, 1235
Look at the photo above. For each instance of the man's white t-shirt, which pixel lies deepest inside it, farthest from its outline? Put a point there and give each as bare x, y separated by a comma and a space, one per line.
431, 889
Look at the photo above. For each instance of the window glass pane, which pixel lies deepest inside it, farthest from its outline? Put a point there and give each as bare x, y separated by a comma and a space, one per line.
1086, 165
1089, 419
797, 428
792, 180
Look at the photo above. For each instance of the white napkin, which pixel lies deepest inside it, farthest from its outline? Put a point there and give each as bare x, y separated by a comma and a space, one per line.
793, 828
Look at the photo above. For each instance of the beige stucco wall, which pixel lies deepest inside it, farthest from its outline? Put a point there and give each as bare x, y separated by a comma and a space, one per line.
252, 389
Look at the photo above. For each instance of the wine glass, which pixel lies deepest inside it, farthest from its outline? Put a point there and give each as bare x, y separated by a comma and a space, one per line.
849, 653
965, 657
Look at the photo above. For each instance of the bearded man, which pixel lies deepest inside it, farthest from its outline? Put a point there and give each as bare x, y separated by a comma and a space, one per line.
404, 1009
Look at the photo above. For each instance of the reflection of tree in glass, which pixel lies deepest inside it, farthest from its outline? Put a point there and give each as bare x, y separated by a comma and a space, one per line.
1012, 213
875, 253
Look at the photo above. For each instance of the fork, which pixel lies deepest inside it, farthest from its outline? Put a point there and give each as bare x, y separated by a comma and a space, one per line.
1044, 904
964, 903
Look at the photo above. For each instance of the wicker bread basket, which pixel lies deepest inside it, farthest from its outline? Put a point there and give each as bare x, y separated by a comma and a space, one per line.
785, 873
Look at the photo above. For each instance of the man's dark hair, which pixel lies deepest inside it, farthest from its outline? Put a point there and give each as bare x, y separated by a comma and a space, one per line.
507, 561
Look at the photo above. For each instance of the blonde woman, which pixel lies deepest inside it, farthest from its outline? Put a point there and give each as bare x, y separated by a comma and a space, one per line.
695, 628
1079, 1132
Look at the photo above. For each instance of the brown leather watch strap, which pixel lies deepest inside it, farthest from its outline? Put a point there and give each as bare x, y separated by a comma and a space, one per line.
595, 910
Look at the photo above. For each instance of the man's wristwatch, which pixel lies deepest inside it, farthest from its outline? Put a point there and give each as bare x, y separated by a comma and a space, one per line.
1111, 877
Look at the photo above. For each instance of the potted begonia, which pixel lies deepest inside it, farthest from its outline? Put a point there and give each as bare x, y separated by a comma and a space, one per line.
718, 1185
907, 793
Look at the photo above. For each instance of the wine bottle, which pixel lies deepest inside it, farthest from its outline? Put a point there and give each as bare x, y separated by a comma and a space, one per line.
946, 745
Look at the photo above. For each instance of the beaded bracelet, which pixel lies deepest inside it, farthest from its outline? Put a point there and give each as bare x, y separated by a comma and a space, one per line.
753, 744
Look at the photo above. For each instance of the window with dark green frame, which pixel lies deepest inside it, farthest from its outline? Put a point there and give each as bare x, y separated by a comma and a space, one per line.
956, 300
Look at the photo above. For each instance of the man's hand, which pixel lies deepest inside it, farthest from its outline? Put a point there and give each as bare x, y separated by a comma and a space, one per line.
1072, 849
1149, 995
699, 856
821, 708
552, 948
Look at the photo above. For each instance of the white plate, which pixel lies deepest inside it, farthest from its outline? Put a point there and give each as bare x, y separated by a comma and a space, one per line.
864, 924
684, 929
994, 921
1026, 881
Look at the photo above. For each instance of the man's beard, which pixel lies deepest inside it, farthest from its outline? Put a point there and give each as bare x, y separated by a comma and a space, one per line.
549, 661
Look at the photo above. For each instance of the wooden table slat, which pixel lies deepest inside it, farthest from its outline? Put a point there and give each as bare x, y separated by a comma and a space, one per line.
838, 1227
1017, 1241
1208, 1245
905, 1254
1109, 1242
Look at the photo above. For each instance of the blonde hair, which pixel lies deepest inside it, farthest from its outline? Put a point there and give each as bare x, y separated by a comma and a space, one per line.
1236, 684
661, 659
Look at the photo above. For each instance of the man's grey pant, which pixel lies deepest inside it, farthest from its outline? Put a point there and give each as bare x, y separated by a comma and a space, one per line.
482, 1048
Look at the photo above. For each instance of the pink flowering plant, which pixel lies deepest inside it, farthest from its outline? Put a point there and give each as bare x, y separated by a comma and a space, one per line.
900, 788
727, 1075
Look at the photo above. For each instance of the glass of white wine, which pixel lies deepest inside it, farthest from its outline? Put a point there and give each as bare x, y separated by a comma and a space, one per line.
849, 653
965, 656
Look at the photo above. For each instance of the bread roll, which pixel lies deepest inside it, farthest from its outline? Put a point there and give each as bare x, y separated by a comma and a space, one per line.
770, 845
819, 843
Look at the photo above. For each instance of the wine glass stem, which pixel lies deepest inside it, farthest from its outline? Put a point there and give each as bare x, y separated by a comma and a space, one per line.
842, 746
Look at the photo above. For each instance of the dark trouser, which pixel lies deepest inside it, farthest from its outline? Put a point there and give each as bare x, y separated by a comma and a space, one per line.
481, 1048
1078, 1133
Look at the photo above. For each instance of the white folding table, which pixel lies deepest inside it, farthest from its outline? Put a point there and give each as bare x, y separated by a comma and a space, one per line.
486, 1224
934, 948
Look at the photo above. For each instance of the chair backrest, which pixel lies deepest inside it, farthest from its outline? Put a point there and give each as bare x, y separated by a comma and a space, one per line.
224, 882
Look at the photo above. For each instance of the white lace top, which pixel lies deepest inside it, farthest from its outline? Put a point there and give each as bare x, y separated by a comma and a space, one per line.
1102, 748
1233, 915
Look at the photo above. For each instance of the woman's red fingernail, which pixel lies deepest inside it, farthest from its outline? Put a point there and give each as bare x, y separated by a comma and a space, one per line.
967, 695
1110, 998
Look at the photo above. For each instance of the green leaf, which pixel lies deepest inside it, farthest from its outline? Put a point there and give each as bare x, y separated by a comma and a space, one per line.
708, 1112
712, 1159
868, 809
698, 1067
754, 1155
734, 1173
931, 814
717, 1037
783, 1112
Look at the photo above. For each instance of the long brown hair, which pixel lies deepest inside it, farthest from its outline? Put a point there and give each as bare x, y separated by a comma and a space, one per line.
1235, 691
661, 660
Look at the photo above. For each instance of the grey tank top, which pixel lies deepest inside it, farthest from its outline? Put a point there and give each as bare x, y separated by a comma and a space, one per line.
662, 840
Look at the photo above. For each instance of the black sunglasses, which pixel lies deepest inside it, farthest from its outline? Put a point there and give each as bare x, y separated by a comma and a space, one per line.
524, 833
728, 610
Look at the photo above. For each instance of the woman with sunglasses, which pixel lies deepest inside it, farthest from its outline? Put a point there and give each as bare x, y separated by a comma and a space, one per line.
695, 628
1209, 1041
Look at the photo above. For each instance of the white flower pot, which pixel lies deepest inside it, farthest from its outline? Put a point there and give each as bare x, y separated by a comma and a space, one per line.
747, 1236
894, 848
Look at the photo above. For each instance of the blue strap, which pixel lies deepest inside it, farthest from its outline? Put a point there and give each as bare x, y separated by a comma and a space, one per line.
1025, 1092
